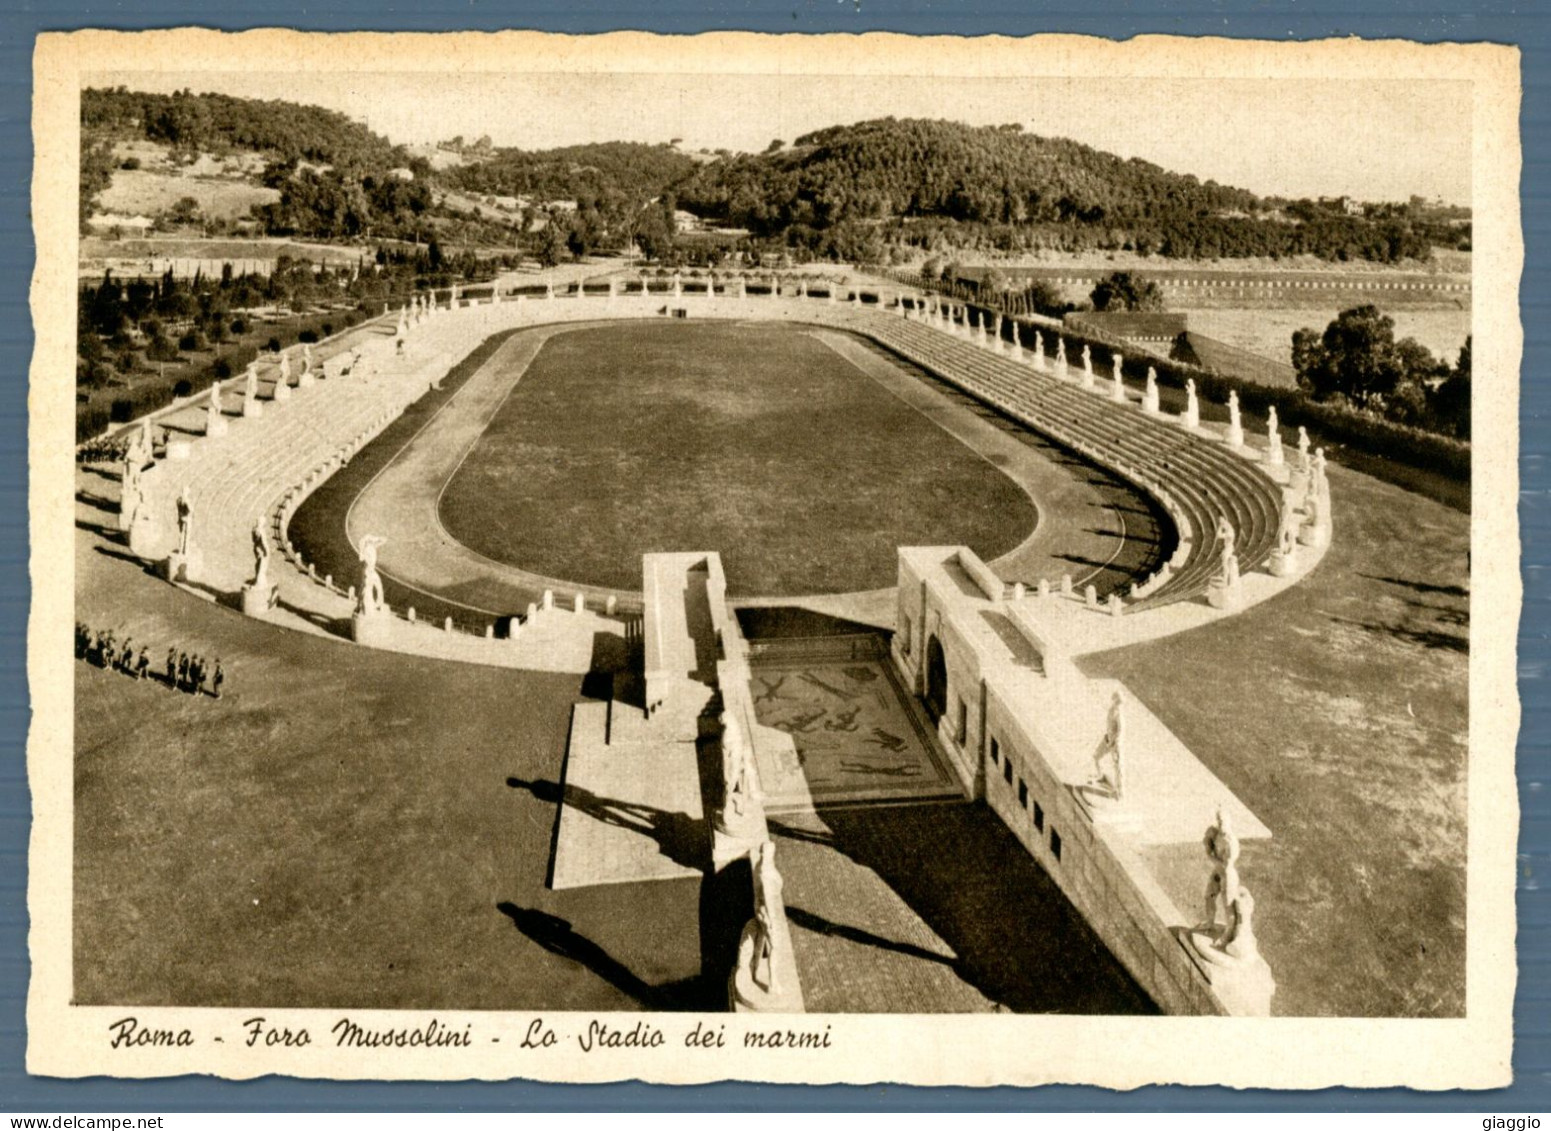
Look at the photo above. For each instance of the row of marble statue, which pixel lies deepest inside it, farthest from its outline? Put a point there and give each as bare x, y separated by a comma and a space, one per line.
1305, 510
736, 288
305, 376
419, 309
1225, 935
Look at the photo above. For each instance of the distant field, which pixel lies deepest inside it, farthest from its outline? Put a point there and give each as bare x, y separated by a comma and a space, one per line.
1269, 332
142, 192
95, 249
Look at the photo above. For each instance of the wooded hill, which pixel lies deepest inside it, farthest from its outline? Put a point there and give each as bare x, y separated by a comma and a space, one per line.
577, 172
872, 192
220, 123
940, 184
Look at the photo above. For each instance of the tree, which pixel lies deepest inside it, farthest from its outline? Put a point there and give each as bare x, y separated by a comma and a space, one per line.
1451, 400
931, 270
995, 283
552, 244
185, 211
1121, 290
1355, 358
655, 233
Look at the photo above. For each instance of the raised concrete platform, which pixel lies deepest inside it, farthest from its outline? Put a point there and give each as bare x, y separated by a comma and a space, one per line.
631, 806
1023, 726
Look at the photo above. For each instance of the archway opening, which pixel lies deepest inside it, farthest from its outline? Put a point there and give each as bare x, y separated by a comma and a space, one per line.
936, 680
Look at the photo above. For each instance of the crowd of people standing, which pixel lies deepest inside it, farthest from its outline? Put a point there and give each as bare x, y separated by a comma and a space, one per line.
191, 674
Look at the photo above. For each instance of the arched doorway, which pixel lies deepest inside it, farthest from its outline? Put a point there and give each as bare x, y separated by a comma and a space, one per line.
936, 680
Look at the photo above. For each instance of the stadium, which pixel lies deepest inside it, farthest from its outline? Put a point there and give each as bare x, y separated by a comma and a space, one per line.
544, 608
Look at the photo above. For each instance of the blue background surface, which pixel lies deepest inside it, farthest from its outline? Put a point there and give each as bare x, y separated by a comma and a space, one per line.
1488, 20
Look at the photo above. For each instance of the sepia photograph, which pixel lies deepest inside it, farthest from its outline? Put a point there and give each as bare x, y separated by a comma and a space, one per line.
604, 546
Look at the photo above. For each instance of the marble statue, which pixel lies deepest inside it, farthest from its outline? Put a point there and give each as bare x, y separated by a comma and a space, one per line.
1222, 886
1303, 449
285, 366
1087, 360
741, 793
261, 551
1060, 356
1227, 558
1287, 529
249, 383
1284, 554
306, 357
1192, 417
1225, 941
1109, 756
1273, 439
1235, 421
1118, 389
1039, 350
131, 494
215, 423
371, 599
1150, 394
185, 506
769, 904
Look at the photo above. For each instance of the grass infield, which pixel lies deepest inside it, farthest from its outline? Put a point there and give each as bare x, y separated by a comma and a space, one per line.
753, 440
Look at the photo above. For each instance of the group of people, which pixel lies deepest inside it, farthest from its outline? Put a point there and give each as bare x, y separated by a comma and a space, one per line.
191, 674
103, 450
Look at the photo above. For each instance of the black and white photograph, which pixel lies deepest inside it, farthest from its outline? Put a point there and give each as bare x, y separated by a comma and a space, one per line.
757, 557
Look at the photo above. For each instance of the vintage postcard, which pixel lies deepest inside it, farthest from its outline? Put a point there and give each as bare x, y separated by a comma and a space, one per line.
804, 559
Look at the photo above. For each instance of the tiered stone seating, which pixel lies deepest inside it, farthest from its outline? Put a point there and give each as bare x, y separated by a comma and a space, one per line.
1198, 481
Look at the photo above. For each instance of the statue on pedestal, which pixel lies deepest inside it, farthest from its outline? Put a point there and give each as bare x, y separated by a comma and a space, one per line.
215, 423
1222, 886
740, 784
1150, 394
1192, 417
1087, 361
769, 904
1273, 439
1060, 356
1039, 350
131, 495
1225, 941
259, 595
739, 822
185, 506
1224, 590
1108, 757
261, 551
370, 599
1118, 390
1227, 558
1303, 449
1284, 556
1235, 420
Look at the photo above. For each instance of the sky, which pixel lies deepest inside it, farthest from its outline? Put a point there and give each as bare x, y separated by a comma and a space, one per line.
1369, 139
